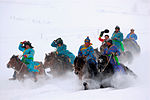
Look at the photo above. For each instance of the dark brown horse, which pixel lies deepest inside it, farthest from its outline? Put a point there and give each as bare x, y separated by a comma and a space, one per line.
58, 65
21, 68
107, 70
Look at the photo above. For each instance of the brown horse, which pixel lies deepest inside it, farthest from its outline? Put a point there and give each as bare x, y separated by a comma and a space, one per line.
58, 65
21, 68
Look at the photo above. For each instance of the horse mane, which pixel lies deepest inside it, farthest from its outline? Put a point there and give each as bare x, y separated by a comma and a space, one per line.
16, 57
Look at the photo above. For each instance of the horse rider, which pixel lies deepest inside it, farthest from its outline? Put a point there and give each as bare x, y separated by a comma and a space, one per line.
117, 38
103, 42
27, 58
112, 52
86, 50
62, 50
132, 36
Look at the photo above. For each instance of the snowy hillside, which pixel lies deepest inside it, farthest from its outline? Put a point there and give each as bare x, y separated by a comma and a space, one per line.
42, 21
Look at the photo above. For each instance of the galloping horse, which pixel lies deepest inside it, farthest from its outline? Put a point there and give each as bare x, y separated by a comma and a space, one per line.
58, 65
21, 68
107, 71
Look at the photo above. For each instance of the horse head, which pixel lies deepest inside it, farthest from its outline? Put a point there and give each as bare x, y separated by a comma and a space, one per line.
49, 59
102, 61
79, 63
14, 61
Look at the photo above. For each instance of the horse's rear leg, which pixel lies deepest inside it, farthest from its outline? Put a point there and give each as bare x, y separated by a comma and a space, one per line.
34, 75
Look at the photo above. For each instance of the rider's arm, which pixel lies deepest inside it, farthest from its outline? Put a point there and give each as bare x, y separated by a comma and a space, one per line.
20, 47
102, 40
117, 52
128, 36
80, 52
54, 44
134, 36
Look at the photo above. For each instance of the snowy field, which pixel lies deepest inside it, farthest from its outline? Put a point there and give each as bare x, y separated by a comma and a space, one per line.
42, 21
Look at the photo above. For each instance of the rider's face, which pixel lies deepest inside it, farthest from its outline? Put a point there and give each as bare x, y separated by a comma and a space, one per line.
59, 45
116, 30
132, 31
87, 44
27, 46
106, 37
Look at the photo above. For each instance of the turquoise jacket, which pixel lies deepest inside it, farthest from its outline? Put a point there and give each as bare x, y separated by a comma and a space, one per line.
118, 42
62, 50
87, 51
31, 65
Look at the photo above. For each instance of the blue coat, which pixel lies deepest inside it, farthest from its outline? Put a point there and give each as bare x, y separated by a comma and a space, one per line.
119, 37
87, 51
62, 50
31, 65
132, 36
113, 50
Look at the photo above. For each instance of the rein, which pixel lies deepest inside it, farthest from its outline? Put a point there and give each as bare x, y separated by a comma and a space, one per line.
105, 66
20, 68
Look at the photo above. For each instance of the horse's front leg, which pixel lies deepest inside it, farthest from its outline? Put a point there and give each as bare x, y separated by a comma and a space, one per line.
80, 74
20, 76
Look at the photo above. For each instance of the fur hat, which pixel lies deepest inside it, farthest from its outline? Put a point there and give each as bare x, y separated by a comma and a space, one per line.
117, 27
59, 41
27, 43
87, 39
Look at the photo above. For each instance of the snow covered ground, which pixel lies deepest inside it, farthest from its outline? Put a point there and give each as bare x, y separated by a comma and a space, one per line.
42, 21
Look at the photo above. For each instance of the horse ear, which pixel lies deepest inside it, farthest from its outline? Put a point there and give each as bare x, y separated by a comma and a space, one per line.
46, 54
13, 56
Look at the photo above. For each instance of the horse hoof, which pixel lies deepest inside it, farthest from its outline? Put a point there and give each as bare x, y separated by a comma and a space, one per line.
101, 86
85, 86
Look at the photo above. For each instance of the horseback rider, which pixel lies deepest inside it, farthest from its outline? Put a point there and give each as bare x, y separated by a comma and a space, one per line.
103, 46
112, 52
62, 50
117, 38
87, 51
27, 58
132, 36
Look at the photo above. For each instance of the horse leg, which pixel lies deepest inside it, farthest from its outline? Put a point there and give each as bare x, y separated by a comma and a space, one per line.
85, 86
34, 76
